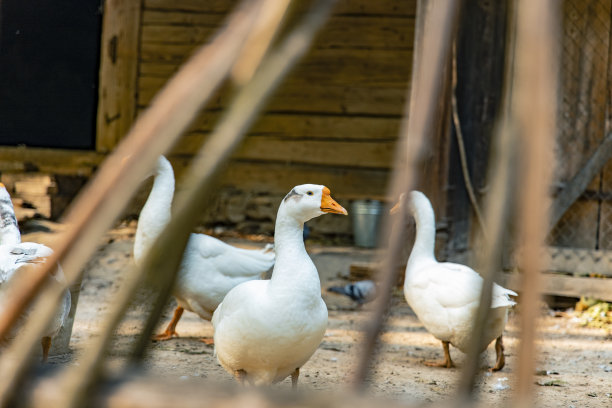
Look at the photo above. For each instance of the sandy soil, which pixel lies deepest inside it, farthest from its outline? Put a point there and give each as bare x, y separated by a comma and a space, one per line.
574, 364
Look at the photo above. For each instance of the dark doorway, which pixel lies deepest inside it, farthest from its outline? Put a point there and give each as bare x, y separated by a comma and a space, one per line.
49, 58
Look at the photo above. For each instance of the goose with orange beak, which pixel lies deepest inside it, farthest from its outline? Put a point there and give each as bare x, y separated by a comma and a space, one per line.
265, 330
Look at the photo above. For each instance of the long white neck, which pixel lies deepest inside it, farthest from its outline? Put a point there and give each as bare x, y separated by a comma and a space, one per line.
425, 241
156, 213
293, 268
9, 229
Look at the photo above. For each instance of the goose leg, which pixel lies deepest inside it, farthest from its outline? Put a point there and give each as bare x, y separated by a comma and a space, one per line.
208, 340
447, 363
170, 329
294, 378
46, 346
499, 352
240, 376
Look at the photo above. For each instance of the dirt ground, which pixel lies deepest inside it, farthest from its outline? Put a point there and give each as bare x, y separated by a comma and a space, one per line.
574, 366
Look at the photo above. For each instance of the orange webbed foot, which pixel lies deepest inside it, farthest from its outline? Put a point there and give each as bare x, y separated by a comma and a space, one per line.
167, 335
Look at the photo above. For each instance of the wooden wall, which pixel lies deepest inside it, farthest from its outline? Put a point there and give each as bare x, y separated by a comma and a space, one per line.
335, 119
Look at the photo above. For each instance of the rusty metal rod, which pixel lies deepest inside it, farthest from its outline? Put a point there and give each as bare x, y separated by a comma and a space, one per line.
534, 107
433, 46
103, 199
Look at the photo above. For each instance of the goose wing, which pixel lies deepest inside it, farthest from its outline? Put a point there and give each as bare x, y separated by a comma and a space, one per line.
454, 285
227, 259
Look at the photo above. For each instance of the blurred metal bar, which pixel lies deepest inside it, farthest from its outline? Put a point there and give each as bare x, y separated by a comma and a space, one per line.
435, 27
534, 105
499, 205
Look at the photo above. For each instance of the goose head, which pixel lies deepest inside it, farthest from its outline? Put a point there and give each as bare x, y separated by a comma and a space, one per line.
4, 194
401, 203
308, 201
9, 231
411, 201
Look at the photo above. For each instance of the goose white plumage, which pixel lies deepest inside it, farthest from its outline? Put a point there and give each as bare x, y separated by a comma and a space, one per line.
14, 255
266, 330
209, 268
445, 296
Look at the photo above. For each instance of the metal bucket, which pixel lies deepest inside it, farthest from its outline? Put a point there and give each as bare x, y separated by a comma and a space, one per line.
366, 220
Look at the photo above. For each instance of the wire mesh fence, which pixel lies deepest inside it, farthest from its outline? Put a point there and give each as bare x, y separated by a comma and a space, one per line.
582, 126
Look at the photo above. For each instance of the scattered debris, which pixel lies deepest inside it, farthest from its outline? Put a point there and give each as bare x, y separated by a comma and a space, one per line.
501, 385
546, 372
606, 368
594, 313
552, 383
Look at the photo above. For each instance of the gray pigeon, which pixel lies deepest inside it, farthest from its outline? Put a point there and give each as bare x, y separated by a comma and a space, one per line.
361, 292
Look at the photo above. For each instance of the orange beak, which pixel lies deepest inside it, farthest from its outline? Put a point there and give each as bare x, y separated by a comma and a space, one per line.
329, 205
2, 185
395, 208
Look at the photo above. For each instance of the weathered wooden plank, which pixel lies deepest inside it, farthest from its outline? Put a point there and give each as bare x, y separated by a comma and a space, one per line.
31, 193
337, 66
576, 186
53, 161
278, 178
345, 182
381, 7
327, 126
118, 71
181, 18
310, 126
560, 285
339, 32
578, 261
296, 96
350, 153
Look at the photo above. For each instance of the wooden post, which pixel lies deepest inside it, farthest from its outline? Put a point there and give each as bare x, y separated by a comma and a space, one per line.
118, 71
480, 73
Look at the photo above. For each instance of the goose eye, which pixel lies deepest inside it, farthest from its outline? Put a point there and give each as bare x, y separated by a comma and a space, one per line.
309, 193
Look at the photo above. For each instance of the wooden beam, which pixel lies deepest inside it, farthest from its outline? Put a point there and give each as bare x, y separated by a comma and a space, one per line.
118, 71
554, 283
563, 285
480, 66
351, 7
576, 186
359, 32
52, 161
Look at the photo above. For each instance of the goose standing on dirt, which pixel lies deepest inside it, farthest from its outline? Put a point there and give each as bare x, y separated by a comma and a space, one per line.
266, 330
445, 296
14, 255
210, 267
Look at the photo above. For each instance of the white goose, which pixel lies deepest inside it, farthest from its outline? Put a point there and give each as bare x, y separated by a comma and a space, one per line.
14, 254
266, 330
210, 267
445, 296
